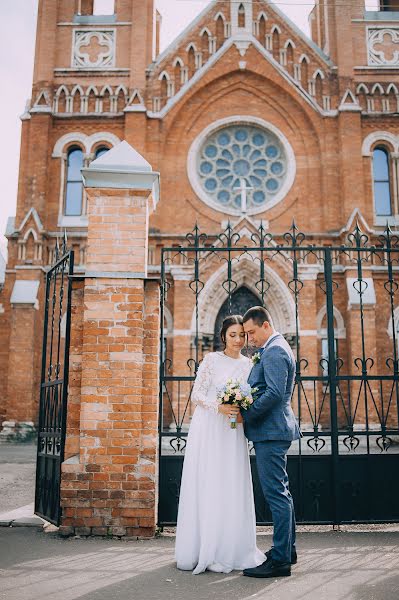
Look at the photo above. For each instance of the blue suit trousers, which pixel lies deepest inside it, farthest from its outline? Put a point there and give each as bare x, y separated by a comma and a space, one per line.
271, 462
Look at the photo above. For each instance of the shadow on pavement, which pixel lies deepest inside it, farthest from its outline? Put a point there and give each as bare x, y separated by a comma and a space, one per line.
332, 566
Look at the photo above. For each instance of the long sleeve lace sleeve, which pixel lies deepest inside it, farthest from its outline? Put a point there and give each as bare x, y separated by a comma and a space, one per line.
199, 394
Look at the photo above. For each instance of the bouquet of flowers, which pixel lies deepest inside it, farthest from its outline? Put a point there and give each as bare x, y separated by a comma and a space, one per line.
236, 393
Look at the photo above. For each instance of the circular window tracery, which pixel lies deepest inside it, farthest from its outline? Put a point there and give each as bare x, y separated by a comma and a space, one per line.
241, 155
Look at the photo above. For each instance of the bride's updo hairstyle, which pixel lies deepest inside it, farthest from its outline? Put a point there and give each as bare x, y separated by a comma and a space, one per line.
228, 322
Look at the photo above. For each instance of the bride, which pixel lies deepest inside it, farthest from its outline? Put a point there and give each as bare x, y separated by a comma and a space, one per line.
216, 527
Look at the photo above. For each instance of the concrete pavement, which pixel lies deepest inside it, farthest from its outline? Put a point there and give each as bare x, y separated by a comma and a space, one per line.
358, 563
35, 565
17, 476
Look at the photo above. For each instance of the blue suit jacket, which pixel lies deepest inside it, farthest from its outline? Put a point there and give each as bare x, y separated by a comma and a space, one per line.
271, 417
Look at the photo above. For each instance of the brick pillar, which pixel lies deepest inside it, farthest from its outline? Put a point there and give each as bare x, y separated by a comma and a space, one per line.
351, 165
110, 486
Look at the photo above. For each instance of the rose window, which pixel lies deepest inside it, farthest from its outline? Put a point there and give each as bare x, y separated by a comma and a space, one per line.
242, 156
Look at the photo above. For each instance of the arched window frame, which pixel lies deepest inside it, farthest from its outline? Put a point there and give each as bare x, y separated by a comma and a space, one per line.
100, 148
89, 144
389, 181
73, 148
390, 143
339, 334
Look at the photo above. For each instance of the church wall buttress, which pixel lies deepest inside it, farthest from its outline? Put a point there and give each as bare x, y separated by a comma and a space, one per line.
46, 41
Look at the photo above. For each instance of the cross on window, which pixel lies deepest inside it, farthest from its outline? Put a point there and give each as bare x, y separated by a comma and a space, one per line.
94, 48
388, 47
243, 193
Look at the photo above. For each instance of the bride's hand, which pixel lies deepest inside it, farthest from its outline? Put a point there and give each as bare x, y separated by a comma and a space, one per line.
229, 409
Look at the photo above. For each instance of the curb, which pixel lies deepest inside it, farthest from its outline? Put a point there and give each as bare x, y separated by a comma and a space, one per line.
23, 522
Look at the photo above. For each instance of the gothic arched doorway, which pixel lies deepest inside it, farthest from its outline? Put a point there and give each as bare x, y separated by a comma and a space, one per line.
241, 300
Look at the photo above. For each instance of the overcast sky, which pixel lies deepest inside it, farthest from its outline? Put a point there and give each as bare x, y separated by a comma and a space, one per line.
17, 38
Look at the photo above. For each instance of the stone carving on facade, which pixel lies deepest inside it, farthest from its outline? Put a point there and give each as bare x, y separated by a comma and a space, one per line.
383, 46
93, 49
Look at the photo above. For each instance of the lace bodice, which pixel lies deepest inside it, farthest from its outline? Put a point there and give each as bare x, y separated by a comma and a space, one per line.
213, 372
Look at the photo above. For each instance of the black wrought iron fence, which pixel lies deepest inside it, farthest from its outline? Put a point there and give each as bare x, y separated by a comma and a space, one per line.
337, 305
54, 384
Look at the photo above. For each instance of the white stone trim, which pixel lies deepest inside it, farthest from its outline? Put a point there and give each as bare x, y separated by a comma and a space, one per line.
76, 221
32, 211
302, 58
28, 232
392, 87
339, 330
377, 87
375, 35
25, 292
82, 37
318, 72
349, 103
192, 46
178, 61
205, 30
131, 105
368, 296
362, 88
248, 8
278, 298
240, 119
276, 29
169, 322
157, 113
87, 141
379, 136
396, 319
289, 43
219, 14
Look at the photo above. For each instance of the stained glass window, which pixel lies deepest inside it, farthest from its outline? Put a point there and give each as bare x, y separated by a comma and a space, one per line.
242, 154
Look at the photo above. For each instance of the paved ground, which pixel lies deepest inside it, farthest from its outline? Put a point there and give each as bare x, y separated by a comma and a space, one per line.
17, 475
332, 566
355, 564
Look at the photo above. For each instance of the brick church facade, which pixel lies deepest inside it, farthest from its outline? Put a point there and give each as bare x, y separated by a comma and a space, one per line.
241, 101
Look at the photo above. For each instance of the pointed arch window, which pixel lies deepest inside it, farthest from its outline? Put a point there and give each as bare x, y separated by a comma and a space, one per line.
241, 16
74, 184
382, 182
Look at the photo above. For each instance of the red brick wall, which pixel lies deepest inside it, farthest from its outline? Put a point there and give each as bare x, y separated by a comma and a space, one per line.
112, 490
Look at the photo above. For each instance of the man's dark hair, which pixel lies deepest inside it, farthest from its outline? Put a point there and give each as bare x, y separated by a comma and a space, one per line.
259, 315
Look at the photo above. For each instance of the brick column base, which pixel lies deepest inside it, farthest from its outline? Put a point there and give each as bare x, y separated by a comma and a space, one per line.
110, 487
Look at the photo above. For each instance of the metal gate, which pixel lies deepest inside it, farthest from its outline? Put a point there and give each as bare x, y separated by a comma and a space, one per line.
332, 302
54, 385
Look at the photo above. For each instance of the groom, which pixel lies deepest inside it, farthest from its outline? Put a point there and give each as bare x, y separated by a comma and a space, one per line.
271, 425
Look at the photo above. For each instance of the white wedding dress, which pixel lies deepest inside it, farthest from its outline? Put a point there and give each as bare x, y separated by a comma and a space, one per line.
216, 527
